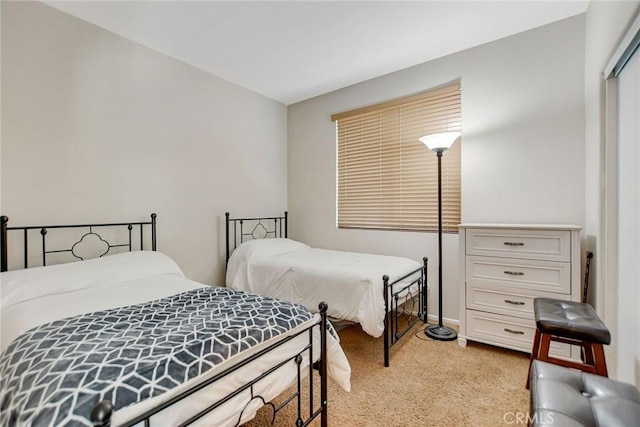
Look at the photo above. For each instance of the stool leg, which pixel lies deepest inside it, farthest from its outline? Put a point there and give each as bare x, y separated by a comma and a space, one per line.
544, 347
588, 353
601, 363
534, 355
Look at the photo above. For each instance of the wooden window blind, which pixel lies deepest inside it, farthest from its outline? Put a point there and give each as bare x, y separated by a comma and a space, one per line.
387, 179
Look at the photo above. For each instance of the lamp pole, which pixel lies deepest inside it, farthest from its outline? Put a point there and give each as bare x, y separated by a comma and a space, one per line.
439, 331
439, 154
439, 143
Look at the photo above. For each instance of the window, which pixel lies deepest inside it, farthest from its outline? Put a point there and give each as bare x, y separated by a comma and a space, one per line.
387, 179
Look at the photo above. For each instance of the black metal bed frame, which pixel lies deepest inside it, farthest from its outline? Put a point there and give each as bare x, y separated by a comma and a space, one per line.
396, 306
274, 228
4, 229
396, 309
102, 412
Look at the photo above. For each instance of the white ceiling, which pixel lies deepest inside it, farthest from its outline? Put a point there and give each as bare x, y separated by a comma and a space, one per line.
294, 50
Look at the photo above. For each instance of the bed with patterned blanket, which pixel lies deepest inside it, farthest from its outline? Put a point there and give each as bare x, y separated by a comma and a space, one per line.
385, 294
126, 339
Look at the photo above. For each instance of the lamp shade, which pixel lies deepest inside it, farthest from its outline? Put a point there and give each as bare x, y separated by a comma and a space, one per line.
439, 142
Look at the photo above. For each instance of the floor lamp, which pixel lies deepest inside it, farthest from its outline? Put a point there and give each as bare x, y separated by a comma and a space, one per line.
439, 142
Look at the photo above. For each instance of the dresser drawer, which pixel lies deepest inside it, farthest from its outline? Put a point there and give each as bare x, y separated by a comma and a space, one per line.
540, 276
507, 331
510, 302
552, 245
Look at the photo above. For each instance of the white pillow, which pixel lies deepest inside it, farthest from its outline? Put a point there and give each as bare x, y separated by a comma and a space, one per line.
267, 247
21, 285
240, 258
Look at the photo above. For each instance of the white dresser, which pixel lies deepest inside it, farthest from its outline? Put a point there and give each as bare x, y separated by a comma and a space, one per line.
503, 268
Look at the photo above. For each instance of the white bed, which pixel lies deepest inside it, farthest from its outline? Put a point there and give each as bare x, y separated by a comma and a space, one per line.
35, 296
351, 283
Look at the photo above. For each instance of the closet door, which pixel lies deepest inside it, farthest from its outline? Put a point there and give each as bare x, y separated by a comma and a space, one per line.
629, 221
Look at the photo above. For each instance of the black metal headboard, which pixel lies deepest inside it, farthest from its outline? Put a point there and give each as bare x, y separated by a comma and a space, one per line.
91, 227
257, 228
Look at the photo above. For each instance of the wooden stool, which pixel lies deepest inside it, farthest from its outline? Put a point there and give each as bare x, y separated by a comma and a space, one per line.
573, 323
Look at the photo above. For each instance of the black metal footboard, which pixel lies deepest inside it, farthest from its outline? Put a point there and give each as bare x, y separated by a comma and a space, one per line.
400, 303
102, 411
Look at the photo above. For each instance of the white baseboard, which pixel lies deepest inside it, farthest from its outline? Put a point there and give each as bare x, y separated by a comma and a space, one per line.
433, 318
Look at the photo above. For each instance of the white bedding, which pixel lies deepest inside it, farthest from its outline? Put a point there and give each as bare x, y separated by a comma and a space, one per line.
35, 296
350, 282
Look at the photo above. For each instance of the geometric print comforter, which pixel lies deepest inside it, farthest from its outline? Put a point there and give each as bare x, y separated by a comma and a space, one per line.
55, 373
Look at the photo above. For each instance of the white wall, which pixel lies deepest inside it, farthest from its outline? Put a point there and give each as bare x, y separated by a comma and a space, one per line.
522, 153
0, 104
99, 128
629, 222
606, 24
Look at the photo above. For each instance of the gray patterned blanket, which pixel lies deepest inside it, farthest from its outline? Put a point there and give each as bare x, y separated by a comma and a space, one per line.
54, 374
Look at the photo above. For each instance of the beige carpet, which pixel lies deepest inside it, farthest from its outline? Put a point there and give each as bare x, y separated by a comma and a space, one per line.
429, 383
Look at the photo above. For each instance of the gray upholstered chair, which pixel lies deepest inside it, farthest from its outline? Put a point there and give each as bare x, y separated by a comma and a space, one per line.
569, 398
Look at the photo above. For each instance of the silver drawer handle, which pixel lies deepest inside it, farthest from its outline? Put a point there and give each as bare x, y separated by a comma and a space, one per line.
514, 273
514, 243
508, 301
511, 331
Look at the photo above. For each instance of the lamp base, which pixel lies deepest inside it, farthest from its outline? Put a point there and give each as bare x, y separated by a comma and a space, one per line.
440, 333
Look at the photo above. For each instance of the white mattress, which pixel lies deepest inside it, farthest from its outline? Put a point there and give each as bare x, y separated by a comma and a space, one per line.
35, 296
349, 282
